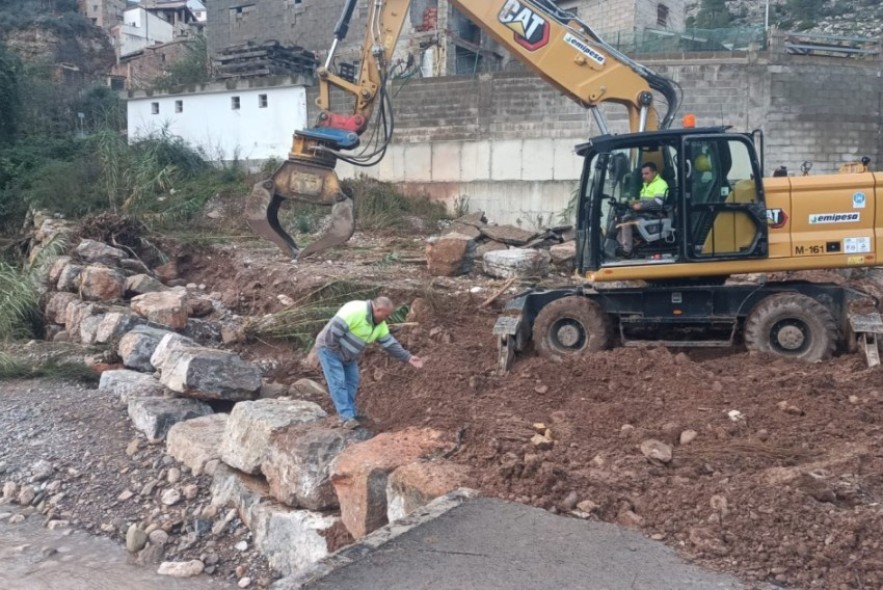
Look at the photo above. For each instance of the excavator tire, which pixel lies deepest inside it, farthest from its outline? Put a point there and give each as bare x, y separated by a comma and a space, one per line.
570, 327
793, 326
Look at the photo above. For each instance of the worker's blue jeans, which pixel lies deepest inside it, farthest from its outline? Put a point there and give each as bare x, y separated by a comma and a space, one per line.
343, 382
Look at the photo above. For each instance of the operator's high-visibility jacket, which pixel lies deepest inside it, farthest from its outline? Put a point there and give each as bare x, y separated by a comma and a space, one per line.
655, 188
352, 329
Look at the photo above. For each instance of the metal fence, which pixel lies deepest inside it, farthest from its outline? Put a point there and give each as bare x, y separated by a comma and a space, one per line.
691, 40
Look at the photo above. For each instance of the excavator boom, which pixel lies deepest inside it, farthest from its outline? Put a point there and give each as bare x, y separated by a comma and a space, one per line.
562, 49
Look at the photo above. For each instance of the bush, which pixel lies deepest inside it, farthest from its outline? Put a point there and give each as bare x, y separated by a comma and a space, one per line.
379, 205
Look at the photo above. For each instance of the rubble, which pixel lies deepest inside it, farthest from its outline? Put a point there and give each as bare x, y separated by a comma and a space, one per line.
142, 283
94, 252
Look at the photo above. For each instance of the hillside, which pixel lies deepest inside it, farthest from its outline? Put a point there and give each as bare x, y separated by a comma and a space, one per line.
862, 18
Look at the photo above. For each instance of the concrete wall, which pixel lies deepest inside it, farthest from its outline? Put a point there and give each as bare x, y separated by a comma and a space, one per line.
141, 29
505, 140
209, 122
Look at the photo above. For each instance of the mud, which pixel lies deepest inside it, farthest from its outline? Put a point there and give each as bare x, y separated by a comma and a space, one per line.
781, 483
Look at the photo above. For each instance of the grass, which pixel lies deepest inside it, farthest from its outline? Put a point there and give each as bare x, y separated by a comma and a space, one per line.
380, 206
54, 369
20, 313
302, 322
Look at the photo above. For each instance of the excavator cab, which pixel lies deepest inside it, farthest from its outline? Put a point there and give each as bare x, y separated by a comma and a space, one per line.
713, 209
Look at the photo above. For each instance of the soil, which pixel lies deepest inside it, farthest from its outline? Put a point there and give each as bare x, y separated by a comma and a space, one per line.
781, 484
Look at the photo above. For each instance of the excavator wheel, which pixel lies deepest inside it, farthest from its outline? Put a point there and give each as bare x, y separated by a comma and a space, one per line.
571, 326
793, 326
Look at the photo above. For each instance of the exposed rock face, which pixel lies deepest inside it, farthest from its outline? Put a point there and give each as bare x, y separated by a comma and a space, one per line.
360, 474
211, 374
251, 424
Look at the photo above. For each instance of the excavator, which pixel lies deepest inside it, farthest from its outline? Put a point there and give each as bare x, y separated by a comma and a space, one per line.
677, 282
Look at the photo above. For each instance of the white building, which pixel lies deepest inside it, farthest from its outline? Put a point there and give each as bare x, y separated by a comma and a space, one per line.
251, 123
141, 29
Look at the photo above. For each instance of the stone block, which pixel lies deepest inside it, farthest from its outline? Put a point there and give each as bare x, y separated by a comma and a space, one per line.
89, 329
518, 263
489, 246
563, 254
114, 325
142, 283
205, 332
292, 540
251, 425
69, 278
137, 347
100, 283
155, 416
75, 313
360, 474
450, 255
196, 442
243, 492
169, 347
94, 252
508, 234
56, 307
55, 269
417, 484
166, 307
298, 464
129, 385
211, 374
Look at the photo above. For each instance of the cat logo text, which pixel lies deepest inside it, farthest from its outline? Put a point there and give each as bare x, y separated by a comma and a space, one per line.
531, 30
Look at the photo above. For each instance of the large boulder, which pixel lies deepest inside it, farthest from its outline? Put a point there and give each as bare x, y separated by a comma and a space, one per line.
360, 474
450, 255
168, 308
292, 540
93, 252
417, 484
508, 234
55, 269
563, 254
89, 329
243, 492
196, 442
298, 464
211, 374
128, 385
169, 347
69, 278
155, 416
56, 307
519, 263
114, 325
137, 347
252, 424
100, 283
142, 283
76, 312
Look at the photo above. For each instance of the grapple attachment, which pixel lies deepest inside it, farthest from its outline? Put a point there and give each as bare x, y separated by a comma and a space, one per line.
313, 182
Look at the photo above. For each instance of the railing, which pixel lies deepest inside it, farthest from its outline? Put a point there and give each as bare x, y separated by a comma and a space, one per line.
689, 41
830, 45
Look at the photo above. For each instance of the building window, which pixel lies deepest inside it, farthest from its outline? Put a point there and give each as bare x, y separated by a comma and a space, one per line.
234, 103
179, 106
262, 101
154, 108
662, 15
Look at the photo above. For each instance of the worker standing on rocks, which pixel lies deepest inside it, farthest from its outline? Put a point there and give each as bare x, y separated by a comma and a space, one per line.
342, 341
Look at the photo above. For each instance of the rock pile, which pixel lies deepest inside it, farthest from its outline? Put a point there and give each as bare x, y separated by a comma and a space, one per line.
500, 251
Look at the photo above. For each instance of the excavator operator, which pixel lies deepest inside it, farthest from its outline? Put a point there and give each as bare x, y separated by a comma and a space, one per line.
652, 198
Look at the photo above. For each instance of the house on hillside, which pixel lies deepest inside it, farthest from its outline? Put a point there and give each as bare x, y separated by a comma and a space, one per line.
140, 28
103, 13
249, 121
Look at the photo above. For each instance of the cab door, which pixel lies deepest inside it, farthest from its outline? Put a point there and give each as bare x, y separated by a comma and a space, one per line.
724, 210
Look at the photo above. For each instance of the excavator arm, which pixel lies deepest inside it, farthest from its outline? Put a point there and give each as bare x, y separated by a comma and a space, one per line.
562, 49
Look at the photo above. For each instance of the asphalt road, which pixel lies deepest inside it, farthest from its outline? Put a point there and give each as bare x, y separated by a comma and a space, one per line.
488, 544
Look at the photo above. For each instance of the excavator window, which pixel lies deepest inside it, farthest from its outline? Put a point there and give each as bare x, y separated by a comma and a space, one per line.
722, 198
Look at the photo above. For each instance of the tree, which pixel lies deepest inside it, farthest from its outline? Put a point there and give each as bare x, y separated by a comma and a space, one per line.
712, 14
10, 95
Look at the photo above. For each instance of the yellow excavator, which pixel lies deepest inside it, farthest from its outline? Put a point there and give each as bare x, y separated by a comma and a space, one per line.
668, 281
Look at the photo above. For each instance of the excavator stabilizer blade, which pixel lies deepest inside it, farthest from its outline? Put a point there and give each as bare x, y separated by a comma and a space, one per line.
262, 213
